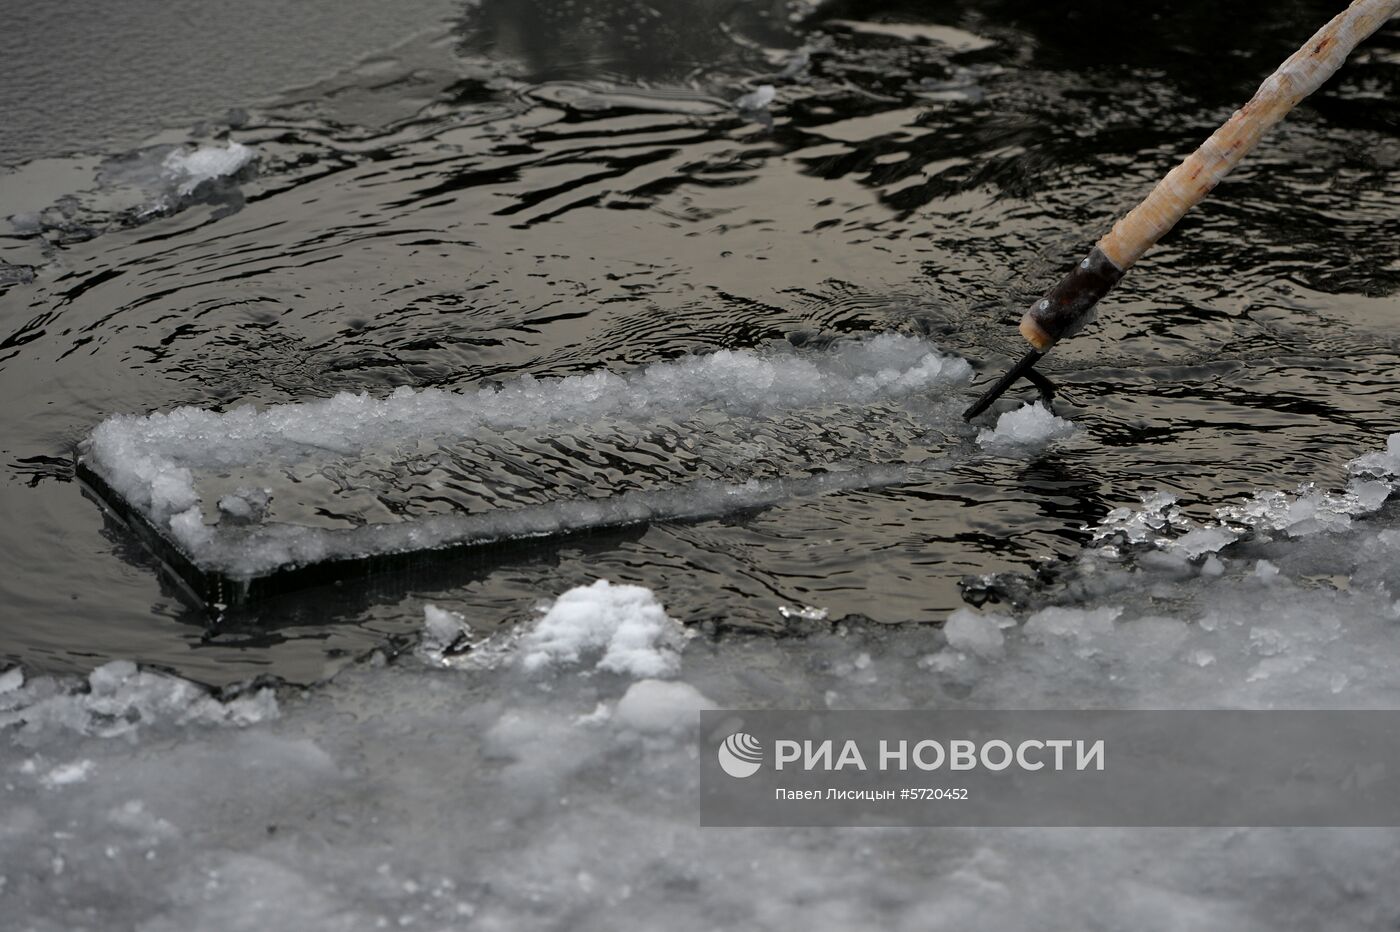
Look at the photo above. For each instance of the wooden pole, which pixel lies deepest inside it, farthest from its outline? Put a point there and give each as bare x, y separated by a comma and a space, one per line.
1065, 308
1062, 310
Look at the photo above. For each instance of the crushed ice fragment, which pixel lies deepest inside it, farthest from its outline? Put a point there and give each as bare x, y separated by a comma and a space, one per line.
1203, 540
757, 99
974, 633
189, 168
1029, 426
1305, 511
1147, 524
444, 633
1160, 525
1379, 464
446, 641
442, 627
1368, 494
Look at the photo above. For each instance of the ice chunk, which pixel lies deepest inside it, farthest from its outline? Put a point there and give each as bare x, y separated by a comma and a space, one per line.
658, 706
1029, 426
1159, 523
442, 629
974, 633
1150, 524
1368, 494
1307, 511
189, 168
1203, 540
128, 188
757, 99
1379, 464
447, 641
624, 627
248, 492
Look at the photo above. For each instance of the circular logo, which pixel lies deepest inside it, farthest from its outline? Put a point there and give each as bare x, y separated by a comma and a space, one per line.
740, 755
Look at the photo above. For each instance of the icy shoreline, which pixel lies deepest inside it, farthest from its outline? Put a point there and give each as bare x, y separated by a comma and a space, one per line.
547, 779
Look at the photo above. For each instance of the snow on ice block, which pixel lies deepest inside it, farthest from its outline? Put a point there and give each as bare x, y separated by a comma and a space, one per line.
248, 502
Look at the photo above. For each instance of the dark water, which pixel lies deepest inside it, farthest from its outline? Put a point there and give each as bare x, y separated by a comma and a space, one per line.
548, 188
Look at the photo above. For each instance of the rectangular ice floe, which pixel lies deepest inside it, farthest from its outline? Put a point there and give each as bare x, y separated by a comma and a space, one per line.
249, 501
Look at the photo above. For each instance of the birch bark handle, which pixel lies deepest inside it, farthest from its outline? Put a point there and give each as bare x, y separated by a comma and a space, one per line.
1063, 309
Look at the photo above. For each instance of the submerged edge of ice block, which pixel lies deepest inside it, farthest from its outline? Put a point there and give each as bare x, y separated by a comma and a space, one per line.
218, 589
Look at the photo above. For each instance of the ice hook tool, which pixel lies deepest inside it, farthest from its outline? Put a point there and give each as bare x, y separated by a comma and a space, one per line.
1064, 308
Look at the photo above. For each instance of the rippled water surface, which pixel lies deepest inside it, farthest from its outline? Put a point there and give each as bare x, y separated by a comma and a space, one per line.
548, 189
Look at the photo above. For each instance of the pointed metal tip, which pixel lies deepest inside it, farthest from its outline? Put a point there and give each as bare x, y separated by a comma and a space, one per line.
1022, 368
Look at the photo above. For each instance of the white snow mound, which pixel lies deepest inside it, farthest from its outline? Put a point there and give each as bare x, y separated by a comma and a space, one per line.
1029, 426
624, 627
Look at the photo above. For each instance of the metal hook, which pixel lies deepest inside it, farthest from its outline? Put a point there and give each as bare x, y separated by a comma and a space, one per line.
1025, 368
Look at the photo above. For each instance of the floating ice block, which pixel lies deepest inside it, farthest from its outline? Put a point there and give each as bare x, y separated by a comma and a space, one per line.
249, 501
